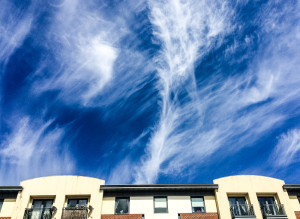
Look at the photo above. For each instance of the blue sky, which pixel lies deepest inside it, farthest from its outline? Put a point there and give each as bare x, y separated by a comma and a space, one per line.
149, 91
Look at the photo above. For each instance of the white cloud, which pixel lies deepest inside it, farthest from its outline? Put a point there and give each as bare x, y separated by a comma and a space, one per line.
185, 29
84, 44
122, 173
15, 25
32, 149
227, 114
287, 150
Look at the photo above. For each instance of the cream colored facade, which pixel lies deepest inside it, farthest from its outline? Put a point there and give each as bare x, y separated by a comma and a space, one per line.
8, 207
251, 187
216, 197
58, 188
144, 205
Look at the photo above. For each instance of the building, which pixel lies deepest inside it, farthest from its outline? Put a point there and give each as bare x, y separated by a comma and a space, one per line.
77, 197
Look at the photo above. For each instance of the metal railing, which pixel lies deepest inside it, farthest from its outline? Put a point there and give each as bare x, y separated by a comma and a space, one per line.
241, 210
38, 213
75, 212
272, 210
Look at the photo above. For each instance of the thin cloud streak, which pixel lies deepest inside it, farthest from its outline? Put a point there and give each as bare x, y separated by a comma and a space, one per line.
196, 121
32, 150
287, 150
12, 30
182, 28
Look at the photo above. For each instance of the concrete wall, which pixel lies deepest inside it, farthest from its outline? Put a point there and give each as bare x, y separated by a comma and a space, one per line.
210, 204
251, 187
60, 188
145, 205
294, 203
7, 207
108, 205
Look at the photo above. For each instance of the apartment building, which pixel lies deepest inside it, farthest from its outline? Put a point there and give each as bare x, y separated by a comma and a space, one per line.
77, 197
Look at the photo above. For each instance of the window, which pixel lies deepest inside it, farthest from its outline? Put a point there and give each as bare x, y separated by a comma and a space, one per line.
238, 206
122, 206
298, 200
77, 203
197, 204
160, 205
1, 203
268, 205
41, 208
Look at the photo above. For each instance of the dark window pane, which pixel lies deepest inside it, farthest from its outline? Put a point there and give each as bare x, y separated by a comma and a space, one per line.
268, 205
237, 200
122, 206
198, 209
72, 203
266, 200
82, 202
238, 205
41, 208
1, 203
77, 202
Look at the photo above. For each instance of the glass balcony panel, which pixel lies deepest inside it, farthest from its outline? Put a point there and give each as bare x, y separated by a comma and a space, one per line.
273, 210
241, 210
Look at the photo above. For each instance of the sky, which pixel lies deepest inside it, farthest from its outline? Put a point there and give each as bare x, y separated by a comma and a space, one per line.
158, 91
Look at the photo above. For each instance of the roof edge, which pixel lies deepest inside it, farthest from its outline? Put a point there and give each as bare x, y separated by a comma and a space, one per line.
11, 188
291, 186
159, 186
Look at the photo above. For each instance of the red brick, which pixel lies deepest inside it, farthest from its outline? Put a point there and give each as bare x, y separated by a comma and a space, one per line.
297, 213
122, 216
199, 216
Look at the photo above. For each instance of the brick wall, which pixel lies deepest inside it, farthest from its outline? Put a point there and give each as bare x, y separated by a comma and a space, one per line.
297, 213
199, 216
124, 216
5, 217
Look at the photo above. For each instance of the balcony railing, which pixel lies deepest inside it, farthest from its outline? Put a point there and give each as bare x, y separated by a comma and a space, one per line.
241, 210
38, 213
272, 210
75, 213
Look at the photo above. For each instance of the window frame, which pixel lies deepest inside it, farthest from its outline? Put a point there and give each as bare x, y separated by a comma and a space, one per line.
43, 201
246, 200
128, 205
68, 200
203, 204
238, 208
167, 208
1, 203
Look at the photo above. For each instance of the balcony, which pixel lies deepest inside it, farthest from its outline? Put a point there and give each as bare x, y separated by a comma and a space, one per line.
39, 213
242, 211
198, 216
75, 213
122, 216
273, 211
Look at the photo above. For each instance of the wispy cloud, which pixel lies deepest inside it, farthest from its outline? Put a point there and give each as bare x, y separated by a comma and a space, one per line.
186, 30
175, 81
225, 116
15, 24
85, 47
33, 149
287, 150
